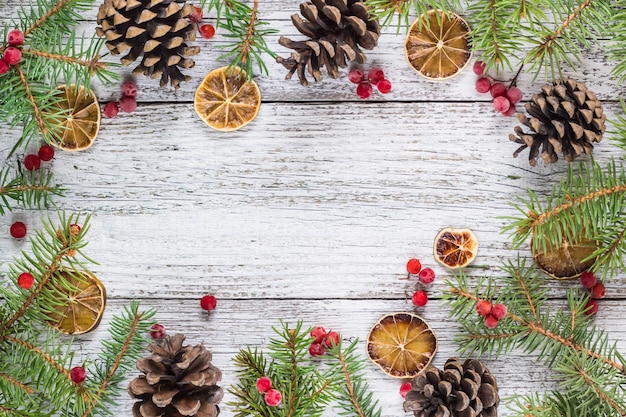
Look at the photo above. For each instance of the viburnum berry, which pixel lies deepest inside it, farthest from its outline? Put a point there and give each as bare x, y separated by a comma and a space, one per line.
15, 37
319, 333
128, 104
45, 153
510, 112
514, 95
499, 311
196, 16
78, 374
405, 388
129, 88
419, 299
375, 75
483, 308
208, 302
4, 66
413, 266
356, 75
426, 276
26, 280
483, 85
32, 162
501, 104
497, 90
273, 397
591, 308
598, 290
12, 55
479, 68
111, 109
157, 331
207, 31
491, 322
364, 90
316, 349
18, 230
263, 384
331, 339
384, 86
588, 279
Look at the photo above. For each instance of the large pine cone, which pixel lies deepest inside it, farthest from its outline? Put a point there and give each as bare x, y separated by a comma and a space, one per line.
177, 381
154, 29
461, 390
338, 30
564, 118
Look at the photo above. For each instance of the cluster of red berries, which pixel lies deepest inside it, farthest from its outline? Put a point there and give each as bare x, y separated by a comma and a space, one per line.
12, 54
375, 76
207, 31
504, 99
32, 161
208, 302
322, 340
596, 289
492, 313
273, 397
425, 275
128, 102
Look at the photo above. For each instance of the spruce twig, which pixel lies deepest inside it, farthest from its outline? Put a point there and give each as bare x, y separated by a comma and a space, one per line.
385, 10
30, 190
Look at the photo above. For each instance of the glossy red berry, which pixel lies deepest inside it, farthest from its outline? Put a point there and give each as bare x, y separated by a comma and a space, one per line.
364, 90
157, 331
384, 86
319, 333
405, 388
419, 299
491, 322
426, 276
331, 339
78, 374
316, 349
483, 85
128, 104
26, 280
208, 302
207, 31
18, 230
413, 266
499, 311
129, 88
479, 68
4, 66
111, 109
46, 153
375, 75
32, 162
588, 279
497, 90
273, 397
196, 16
16, 37
356, 75
263, 384
598, 290
501, 104
483, 308
514, 95
591, 309
12, 55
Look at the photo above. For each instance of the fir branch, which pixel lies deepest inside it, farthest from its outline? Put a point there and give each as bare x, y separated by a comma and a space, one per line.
51, 12
15, 383
93, 64
386, 10
38, 352
30, 190
617, 28
37, 116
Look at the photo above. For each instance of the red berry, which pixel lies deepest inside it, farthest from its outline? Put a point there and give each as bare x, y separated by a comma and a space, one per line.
316, 349
207, 31
273, 397
384, 86
501, 104
46, 153
32, 162
499, 311
483, 84
405, 388
598, 290
196, 16
591, 309
483, 308
129, 88
419, 299
157, 331
12, 55
111, 109
364, 90
510, 112
4, 66
427, 276
263, 384
356, 75
208, 302
319, 333
491, 322
16, 37
514, 95
18, 230
375, 75
479, 67
331, 339
497, 90
588, 279
25, 280
413, 266
128, 104
78, 374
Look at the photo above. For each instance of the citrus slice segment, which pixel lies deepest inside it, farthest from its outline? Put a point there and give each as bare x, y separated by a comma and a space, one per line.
401, 344
226, 100
437, 45
455, 248
567, 261
80, 123
86, 301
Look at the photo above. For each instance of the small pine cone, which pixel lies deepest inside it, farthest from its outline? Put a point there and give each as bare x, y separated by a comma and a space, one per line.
337, 29
461, 390
176, 381
156, 30
564, 118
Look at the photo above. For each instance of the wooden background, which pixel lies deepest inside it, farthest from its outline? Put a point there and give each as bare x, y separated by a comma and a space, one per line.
312, 210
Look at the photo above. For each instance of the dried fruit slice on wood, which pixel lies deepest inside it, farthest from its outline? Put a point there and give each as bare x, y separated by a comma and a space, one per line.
568, 261
79, 120
455, 248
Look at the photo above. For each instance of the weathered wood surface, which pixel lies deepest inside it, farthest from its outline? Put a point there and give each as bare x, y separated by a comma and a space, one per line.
311, 211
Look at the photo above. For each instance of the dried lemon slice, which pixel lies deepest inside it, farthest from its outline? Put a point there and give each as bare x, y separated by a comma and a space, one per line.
437, 45
86, 302
401, 344
567, 261
455, 248
226, 100
79, 125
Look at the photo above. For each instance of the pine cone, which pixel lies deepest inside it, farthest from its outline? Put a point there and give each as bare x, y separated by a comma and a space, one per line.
564, 118
177, 381
461, 390
154, 29
338, 29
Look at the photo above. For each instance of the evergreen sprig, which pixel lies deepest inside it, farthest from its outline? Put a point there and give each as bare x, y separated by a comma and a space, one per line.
32, 189
386, 10
617, 28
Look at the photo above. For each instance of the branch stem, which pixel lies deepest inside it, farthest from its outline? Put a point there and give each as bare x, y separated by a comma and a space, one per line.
92, 64
61, 4
346, 374
33, 103
16, 383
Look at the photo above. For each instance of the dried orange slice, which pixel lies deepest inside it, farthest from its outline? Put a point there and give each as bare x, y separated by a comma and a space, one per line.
455, 248
437, 45
401, 344
79, 125
567, 261
87, 299
226, 100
